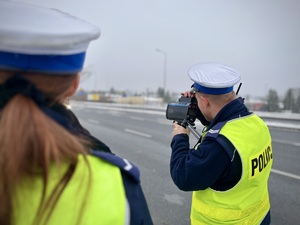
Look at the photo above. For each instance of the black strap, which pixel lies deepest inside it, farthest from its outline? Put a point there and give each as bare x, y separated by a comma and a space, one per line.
20, 85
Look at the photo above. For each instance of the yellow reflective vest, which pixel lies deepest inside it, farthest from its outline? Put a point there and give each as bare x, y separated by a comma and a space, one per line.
248, 201
104, 202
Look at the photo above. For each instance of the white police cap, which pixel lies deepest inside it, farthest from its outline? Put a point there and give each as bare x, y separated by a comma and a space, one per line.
213, 78
34, 38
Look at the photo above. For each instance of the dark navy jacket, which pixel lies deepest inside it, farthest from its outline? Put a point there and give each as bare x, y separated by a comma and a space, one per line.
210, 165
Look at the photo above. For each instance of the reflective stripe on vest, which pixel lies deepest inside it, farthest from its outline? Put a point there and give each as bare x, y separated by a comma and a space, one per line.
248, 201
104, 201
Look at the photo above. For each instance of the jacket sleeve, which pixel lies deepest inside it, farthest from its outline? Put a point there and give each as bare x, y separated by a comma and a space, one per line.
196, 169
139, 212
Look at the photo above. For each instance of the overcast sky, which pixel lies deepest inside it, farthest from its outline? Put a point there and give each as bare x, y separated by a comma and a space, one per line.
260, 38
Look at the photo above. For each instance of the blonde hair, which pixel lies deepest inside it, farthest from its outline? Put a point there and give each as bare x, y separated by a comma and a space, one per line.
30, 141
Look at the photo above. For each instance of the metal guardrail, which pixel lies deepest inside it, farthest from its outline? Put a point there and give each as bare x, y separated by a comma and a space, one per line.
277, 120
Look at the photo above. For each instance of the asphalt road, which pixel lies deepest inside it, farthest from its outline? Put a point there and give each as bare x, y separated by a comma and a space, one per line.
143, 137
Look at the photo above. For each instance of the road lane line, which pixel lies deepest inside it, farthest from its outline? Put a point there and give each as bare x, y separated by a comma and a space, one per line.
285, 174
138, 133
297, 144
137, 118
168, 123
93, 121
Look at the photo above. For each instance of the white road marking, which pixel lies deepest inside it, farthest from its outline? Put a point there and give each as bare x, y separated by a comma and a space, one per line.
297, 144
138, 133
286, 174
165, 122
136, 118
93, 121
174, 198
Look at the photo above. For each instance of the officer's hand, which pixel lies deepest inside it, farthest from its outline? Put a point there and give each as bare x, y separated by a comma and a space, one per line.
199, 115
177, 129
188, 94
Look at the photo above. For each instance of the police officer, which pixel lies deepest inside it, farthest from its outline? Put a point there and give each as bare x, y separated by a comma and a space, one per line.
228, 169
52, 170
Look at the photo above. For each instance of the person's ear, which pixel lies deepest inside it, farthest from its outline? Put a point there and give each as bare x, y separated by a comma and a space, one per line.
205, 100
74, 87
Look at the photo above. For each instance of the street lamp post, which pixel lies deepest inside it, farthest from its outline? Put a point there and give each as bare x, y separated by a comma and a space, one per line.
165, 68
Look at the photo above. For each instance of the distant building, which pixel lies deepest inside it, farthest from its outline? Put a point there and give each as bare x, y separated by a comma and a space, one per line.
255, 104
117, 97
